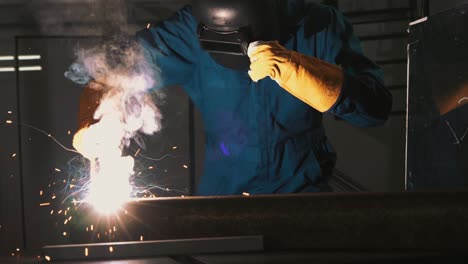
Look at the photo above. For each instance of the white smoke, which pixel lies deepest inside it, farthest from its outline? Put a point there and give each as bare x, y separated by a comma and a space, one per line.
121, 70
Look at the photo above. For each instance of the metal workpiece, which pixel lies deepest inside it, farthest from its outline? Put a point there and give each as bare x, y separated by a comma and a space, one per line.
412, 221
151, 249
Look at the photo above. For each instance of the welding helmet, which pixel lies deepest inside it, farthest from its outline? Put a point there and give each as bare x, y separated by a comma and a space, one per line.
226, 27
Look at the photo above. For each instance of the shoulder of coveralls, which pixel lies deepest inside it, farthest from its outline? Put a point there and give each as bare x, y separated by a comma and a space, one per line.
181, 19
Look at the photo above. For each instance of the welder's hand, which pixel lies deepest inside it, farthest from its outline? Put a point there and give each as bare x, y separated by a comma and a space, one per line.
311, 80
90, 98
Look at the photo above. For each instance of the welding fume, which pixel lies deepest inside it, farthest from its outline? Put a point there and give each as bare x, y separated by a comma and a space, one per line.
262, 74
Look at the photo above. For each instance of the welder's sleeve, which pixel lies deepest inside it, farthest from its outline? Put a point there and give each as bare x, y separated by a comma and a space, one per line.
364, 101
174, 48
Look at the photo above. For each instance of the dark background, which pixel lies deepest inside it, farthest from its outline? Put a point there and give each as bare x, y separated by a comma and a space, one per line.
374, 158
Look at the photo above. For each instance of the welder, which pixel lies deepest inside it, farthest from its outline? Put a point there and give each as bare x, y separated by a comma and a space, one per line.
262, 74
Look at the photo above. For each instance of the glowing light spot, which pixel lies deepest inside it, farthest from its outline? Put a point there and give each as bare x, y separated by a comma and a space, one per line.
53, 197
9, 122
17, 249
64, 233
9, 112
136, 153
44, 204
148, 26
13, 254
150, 167
98, 235
113, 175
68, 132
92, 227
57, 170
87, 229
13, 155
174, 147
141, 238
59, 212
51, 212
86, 252
246, 194
41, 192
185, 166
65, 222
47, 258
111, 249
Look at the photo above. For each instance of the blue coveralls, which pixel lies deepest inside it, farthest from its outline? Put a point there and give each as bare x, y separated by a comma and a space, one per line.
259, 138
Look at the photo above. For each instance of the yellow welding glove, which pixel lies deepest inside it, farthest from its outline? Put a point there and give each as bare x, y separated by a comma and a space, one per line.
313, 81
89, 101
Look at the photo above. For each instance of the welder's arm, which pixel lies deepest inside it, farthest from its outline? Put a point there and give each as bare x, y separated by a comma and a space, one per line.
353, 91
173, 46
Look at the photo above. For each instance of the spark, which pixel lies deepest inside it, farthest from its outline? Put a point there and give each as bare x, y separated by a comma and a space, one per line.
9, 122
17, 249
65, 222
47, 258
185, 166
148, 26
141, 238
41, 192
86, 252
157, 159
44, 204
92, 227
9, 112
111, 249
57, 170
246, 194
174, 147
51, 212
49, 135
64, 233
150, 167
13, 155
59, 212
138, 151
53, 197
68, 132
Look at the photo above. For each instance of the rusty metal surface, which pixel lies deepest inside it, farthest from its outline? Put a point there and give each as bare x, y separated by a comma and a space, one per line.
412, 221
